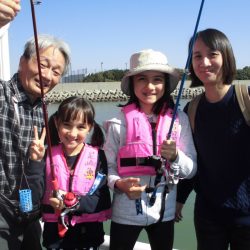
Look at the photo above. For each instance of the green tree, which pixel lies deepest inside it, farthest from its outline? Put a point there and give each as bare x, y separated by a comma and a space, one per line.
243, 74
114, 75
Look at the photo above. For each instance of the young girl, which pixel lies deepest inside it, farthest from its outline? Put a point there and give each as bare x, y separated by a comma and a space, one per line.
135, 147
73, 218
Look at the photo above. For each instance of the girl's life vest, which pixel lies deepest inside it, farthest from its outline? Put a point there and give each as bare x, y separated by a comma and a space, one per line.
80, 182
137, 156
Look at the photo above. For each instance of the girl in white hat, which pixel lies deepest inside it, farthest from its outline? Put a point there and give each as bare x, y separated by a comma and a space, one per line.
143, 165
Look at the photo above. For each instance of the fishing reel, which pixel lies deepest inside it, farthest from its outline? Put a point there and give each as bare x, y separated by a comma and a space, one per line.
70, 200
173, 175
71, 203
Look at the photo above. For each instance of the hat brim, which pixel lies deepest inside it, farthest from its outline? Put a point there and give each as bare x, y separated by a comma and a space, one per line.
173, 73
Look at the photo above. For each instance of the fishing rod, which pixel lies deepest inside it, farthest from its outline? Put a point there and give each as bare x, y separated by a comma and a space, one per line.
44, 106
186, 71
173, 178
70, 200
175, 172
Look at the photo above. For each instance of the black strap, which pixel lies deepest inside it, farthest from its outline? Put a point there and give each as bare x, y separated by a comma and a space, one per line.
164, 193
136, 161
153, 126
102, 160
159, 175
6, 203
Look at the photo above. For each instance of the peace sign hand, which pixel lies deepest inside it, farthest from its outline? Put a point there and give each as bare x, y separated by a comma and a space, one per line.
37, 148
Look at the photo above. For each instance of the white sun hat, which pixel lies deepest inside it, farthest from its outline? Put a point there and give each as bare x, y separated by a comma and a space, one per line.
149, 60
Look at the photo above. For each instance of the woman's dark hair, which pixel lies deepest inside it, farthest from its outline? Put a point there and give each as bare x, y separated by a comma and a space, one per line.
165, 102
69, 110
216, 40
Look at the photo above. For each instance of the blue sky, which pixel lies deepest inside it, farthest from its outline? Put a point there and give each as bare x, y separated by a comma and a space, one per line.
107, 32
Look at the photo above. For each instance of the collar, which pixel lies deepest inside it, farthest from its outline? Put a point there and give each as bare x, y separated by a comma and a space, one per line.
19, 92
223, 102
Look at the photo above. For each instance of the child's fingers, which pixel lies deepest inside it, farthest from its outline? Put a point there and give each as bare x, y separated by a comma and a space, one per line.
42, 139
36, 133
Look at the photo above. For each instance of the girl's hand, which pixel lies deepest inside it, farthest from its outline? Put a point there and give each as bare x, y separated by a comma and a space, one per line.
131, 187
57, 203
37, 148
8, 10
169, 150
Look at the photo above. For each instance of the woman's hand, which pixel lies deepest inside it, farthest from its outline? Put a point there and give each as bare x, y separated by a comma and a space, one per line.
131, 187
169, 150
37, 148
178, 212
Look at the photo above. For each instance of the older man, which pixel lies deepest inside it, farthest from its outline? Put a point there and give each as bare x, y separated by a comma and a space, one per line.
21, 110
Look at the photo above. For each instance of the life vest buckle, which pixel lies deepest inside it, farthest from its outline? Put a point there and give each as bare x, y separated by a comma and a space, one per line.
156, 161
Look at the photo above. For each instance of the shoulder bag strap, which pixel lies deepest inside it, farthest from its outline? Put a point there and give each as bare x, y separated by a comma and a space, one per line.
243, 100
192, 107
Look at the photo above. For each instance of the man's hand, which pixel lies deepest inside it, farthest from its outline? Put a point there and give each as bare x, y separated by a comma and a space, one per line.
8, 10
37, 149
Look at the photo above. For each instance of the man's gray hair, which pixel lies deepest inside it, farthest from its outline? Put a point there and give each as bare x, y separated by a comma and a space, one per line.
46, 41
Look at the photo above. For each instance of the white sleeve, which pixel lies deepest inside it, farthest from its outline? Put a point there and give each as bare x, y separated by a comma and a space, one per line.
187, 156
115, 138
4, 53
